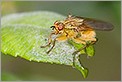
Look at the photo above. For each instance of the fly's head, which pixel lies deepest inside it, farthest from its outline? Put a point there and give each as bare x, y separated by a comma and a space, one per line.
58, 27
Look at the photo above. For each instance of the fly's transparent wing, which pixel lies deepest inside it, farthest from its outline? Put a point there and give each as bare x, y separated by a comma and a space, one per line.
97, 24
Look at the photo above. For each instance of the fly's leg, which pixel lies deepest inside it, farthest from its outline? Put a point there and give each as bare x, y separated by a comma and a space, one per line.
66, 33
75, 52
51, 47
93, 42
60, 38
75, 55
49, 41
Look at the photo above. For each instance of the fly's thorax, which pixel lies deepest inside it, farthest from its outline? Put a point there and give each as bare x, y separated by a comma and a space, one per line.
72, 22
69, 26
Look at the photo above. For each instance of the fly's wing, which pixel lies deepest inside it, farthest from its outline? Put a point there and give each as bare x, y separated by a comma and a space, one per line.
97, 24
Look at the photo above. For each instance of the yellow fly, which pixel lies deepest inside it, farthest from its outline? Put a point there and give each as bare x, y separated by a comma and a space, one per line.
79, 29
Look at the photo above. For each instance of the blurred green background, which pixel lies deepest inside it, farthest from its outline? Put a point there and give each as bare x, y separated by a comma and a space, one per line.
104, 66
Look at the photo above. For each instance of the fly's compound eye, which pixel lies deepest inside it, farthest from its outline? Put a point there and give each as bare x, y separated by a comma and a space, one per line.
52, 27
59, 25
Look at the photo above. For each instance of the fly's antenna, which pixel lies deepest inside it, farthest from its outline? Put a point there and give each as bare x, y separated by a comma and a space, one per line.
52, 27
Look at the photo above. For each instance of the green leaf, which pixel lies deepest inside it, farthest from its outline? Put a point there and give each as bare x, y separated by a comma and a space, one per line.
24, 33
90, 50
77, 46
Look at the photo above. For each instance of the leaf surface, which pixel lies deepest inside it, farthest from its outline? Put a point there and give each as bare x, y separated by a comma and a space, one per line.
24, 33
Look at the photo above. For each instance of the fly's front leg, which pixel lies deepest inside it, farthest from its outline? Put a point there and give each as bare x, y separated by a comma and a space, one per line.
51, 47
60, 38
49, 41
